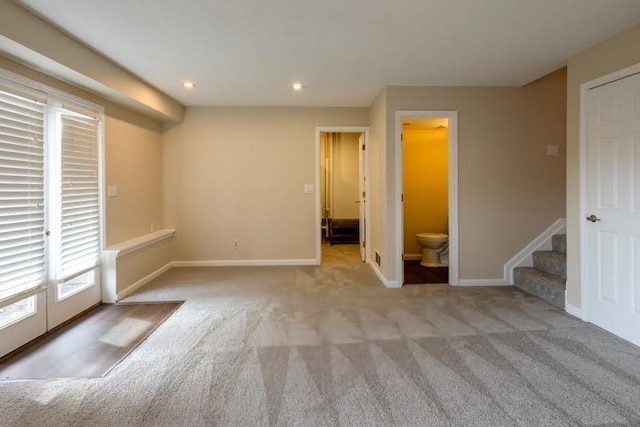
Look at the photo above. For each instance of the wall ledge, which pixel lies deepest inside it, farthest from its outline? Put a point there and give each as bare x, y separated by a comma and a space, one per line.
245, 263
111, 263
137, 243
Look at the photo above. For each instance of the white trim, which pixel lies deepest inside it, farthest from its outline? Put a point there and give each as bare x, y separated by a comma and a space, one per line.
137, 243
483, 282
245, 262
611, 77
412, 257
384, 280
582, 265
146, 279
453, 191
524, 258
367, 211
19, 297
572, 309
582, 261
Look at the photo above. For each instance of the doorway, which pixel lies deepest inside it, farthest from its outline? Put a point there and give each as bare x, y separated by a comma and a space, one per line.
51, 227
427, 211
341, 202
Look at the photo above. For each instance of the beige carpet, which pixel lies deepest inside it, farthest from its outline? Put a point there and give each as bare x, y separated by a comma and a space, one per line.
328, 345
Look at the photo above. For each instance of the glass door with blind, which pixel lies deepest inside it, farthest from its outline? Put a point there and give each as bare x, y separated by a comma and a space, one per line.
74, 240
50, 212
23, 276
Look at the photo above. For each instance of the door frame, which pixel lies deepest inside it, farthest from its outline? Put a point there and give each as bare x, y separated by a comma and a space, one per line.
453, 190
584, 313
367, 213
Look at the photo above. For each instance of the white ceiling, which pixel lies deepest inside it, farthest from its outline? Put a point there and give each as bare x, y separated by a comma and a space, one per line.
248, 52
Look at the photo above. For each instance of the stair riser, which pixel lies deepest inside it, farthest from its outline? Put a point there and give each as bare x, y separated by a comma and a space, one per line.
559, 243
544, 286
551, 262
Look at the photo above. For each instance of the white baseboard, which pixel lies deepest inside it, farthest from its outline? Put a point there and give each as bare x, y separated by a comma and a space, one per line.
246, 263
524, 257
146, 279
412, 257
483, 282
572, 309
384, 280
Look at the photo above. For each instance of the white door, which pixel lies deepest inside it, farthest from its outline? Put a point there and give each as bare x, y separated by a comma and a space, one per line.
613, 207
362, 198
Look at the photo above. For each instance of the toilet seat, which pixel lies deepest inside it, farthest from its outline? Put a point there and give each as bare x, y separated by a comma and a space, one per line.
433, 236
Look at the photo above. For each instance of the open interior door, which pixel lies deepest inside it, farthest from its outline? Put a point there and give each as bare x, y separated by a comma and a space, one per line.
362, 198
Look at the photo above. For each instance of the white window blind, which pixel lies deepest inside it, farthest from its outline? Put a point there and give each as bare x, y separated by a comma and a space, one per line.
22, 215
80, 195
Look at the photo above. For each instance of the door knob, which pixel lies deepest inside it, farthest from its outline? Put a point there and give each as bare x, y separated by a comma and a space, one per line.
592, 218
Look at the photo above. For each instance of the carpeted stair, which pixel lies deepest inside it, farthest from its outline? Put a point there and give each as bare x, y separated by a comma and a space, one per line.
548, 277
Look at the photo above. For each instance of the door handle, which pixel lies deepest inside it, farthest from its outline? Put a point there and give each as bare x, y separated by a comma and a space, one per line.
592, 218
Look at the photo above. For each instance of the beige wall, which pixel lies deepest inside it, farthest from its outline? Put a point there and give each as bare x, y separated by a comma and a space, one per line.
425, 185
611, 55
133, 162
238, 173
345, 176
378, 184
509, 189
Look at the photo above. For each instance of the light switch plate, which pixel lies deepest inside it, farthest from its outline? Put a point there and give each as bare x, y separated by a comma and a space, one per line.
553, 150
112, 190
308, 188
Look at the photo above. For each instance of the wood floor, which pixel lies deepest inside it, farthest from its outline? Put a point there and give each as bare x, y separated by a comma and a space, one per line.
89, 346
414, 274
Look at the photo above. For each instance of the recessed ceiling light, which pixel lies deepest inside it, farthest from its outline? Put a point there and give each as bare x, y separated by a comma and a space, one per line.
188, 84
297, 86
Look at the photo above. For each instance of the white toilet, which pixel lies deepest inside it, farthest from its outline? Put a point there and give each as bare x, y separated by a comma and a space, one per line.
433, 245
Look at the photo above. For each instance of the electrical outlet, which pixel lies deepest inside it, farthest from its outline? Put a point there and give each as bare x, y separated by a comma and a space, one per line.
378, 258
152, 228
235, 243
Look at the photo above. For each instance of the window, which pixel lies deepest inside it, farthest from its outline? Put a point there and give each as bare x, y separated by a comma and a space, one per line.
77, 201
50, 198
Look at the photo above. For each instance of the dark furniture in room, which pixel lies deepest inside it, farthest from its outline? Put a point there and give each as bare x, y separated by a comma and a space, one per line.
344, 231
